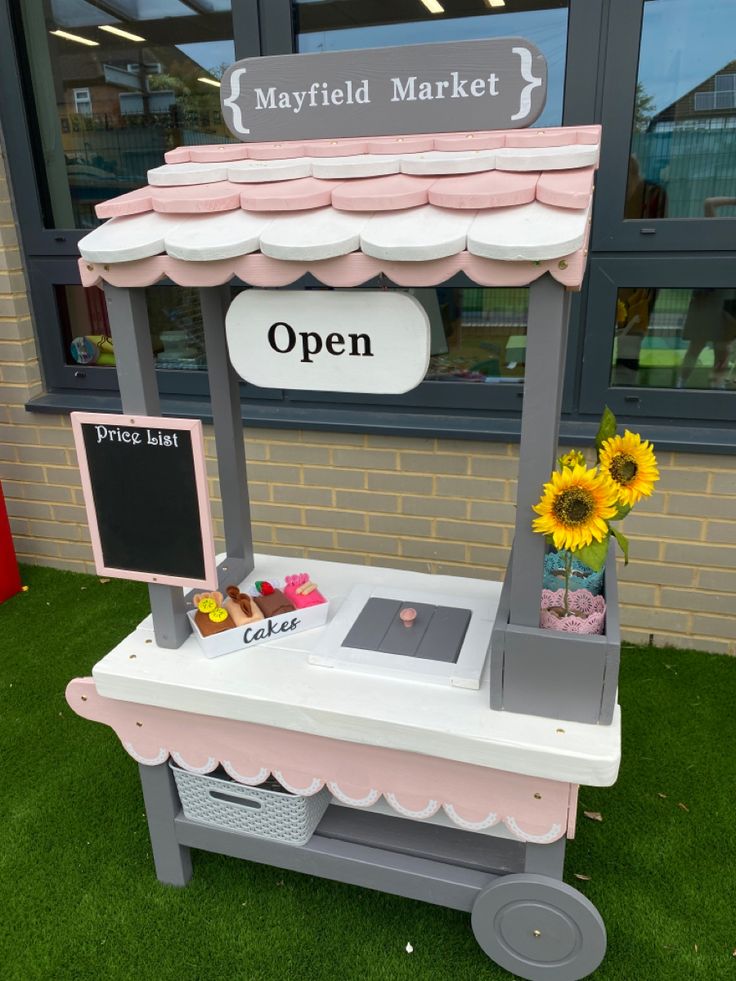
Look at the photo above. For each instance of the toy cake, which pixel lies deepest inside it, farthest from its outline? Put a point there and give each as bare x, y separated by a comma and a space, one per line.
302, 592
211, 617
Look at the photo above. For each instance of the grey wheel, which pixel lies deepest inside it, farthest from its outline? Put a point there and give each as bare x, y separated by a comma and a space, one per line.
538, 928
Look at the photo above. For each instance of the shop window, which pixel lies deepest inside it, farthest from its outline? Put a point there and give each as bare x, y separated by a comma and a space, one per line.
675, 338
174, 319
683, 143
343, 24
149, 73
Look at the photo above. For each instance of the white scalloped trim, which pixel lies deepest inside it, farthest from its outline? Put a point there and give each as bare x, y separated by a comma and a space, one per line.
251, 781
431, 808
487, 822
552, 835
367, 801
163, 755
209, 766
313, 787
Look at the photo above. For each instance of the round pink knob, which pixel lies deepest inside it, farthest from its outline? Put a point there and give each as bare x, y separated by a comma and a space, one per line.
408, 616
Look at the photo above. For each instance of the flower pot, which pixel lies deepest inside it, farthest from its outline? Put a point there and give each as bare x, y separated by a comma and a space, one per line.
557, 674
587, 612
582, 576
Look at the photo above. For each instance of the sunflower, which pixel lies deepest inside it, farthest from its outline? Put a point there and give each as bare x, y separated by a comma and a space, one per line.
631, 466
575, 506
573, 458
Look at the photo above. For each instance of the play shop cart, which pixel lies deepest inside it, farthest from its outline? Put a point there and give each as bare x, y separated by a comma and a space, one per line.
443, 765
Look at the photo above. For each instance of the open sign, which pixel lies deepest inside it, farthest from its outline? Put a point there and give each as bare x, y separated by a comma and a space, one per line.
354, 341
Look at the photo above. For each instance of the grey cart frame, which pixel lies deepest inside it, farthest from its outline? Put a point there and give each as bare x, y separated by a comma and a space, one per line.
523, 916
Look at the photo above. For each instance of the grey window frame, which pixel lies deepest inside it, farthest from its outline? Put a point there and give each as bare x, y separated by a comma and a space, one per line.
591, 95
611, 231
606, 275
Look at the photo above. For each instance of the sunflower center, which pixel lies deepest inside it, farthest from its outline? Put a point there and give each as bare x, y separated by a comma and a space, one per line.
624, 468
573, 506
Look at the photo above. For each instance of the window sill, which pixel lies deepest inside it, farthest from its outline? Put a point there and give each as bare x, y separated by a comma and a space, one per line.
671, 437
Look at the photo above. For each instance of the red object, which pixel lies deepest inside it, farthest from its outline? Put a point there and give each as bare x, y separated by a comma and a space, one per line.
265, 588
9, 575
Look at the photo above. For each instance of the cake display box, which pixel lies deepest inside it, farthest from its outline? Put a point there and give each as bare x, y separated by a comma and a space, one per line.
235, 621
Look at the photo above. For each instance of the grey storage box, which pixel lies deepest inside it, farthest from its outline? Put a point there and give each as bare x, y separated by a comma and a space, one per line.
220, 802
557, 675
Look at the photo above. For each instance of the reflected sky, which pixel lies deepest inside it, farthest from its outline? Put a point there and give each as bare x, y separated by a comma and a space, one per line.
545, 28
683, 43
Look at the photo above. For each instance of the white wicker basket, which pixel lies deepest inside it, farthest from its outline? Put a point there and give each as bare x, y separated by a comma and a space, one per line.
276, 814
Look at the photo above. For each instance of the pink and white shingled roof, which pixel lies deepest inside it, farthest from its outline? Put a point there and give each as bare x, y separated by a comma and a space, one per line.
502, 207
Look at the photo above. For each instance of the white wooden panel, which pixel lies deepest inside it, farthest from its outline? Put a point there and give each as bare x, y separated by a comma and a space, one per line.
361, 165
274, 685
206, 238
128, 238
418, 234
448, 162
180, 175
262, 171
546, 157
529, 231
343, 341
313, 235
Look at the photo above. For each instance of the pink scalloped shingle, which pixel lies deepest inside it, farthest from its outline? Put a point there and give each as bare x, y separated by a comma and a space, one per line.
196, 198
296, 195
336, 148
132, 203
488, 189
393, 192
566, 188
219, 153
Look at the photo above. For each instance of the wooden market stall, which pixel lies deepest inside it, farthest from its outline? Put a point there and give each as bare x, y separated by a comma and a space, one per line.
447, 773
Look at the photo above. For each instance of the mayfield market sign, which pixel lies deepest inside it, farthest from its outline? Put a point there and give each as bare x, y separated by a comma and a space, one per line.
499, 83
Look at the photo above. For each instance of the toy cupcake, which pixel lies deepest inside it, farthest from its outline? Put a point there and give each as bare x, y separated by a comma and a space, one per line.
211, 617
302, 592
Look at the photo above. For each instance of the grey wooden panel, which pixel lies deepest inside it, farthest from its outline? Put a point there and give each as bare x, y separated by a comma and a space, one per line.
433, 841
171, 858
372, 623
540, 420
545, 859
417, 88
228, 426
445, 635
553, 674
436, 634
400, 639
344, 861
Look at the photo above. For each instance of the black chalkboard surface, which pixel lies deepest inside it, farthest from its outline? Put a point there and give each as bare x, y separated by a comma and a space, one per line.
145, 490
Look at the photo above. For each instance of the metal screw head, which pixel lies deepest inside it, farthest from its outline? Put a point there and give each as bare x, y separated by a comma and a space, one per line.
536, 933
537, 797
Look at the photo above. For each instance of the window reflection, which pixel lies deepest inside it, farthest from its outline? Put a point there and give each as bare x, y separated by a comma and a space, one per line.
478, 335
675, 338
684, 129
174, 317
131, 80
333, 25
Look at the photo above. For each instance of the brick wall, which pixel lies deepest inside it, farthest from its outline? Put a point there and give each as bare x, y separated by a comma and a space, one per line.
427, 504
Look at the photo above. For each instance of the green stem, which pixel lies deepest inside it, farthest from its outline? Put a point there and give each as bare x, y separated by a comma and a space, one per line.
568, 572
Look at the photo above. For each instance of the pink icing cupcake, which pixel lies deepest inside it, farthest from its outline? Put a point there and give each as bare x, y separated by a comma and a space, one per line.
302, 592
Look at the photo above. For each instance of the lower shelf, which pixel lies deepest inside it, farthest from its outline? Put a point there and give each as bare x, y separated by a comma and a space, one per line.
409, 875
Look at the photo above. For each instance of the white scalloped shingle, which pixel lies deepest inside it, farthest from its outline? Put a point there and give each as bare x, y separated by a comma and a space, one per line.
527, 232
314, 235
422, 233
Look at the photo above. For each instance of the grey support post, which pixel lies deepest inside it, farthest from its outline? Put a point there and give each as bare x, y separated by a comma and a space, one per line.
540, 422
139, 393
173, 861
225, 400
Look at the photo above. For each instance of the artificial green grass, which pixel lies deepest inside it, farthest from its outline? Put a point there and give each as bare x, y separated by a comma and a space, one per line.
80, 899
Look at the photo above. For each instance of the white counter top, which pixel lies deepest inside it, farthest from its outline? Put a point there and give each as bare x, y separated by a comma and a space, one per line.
274, 684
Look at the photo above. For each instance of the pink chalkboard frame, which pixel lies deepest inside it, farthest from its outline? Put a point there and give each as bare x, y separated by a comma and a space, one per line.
194, 427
